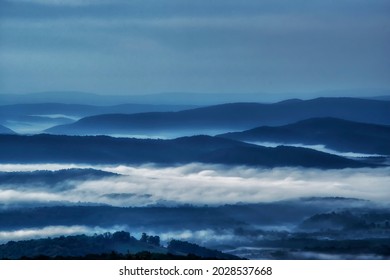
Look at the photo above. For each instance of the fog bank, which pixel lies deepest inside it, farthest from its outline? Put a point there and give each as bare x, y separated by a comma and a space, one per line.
201, 184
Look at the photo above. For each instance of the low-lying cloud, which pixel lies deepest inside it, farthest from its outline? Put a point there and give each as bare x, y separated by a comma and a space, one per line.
201, 184
203, 237
52, 231
319, 147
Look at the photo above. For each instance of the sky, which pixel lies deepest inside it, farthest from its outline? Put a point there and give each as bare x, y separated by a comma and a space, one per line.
205, 46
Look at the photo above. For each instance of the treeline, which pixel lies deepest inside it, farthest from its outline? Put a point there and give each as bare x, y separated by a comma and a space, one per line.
118, 245
188, 248
144, 255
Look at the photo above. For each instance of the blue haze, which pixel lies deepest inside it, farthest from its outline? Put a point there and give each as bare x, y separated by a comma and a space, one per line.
141, 47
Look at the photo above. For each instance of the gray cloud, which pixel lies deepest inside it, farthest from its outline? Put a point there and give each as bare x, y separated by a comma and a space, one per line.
218, 46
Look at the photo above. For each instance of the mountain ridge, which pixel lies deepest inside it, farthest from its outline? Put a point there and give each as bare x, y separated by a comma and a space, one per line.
231, 116
178, 98
205, 149
334, 133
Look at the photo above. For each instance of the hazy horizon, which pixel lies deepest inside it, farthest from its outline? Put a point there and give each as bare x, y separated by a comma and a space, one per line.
181, 98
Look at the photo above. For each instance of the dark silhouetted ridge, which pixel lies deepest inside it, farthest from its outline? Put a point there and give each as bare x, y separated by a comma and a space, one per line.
103, 149
232, 116
334, 133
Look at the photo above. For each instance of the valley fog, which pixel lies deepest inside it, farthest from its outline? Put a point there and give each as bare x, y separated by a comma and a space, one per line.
196, 184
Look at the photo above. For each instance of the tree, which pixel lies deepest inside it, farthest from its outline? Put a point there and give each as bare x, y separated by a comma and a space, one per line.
121, 236
144, 237
154, 240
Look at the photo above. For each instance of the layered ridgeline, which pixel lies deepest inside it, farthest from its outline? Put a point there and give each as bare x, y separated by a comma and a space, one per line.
194, 218
34, 118
46, 148
337, 134
228, 117
81, 110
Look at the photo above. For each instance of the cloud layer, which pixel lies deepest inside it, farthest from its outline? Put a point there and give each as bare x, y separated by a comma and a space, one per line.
52, 231
219, 46
201, 184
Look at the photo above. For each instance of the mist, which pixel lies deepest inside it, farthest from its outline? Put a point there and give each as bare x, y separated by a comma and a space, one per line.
198, 184
52, 231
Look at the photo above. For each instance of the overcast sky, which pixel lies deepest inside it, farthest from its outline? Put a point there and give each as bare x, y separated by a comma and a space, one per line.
208, 46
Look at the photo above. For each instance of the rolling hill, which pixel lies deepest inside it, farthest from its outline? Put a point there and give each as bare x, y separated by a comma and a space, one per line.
176, 98
117, 245
34, 118
46, 148
337, 134
228, 117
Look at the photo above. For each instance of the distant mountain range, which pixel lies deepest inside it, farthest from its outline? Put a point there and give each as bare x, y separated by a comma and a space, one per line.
228, 117
334, 133
205, 149
80, 110
117, 245
191, 217
33, 118
173, 98
178, 98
